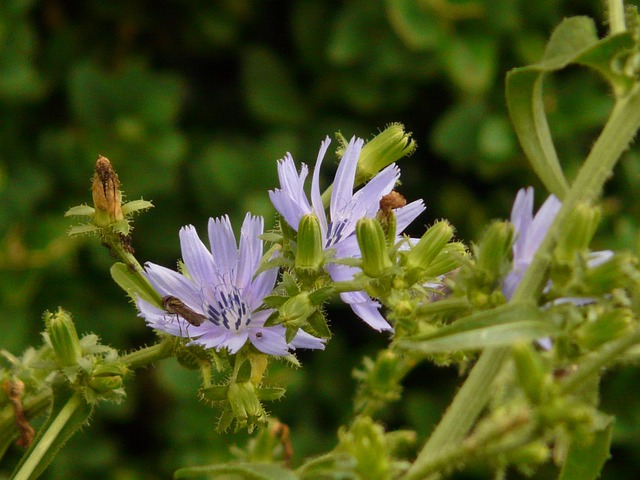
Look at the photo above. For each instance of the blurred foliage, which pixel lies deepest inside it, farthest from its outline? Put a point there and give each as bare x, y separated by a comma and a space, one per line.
193, 101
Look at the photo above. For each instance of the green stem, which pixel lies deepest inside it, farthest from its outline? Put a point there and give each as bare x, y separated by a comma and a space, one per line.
475, 392
616, 17
118, 249
147, 355
49, 437
594, 364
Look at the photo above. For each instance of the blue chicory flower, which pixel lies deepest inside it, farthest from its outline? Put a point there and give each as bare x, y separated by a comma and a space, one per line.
222, 288
345, 209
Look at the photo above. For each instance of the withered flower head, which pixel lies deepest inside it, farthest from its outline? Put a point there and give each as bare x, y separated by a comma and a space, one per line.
105, 190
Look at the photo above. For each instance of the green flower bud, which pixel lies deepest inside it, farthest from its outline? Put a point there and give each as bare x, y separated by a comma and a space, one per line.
366, 442
607, 327
580, 228
373, 247
618, 271
107, 198
447, 260
429, 246
388, 146
106, 378
495, 248
63, 337
296, 310
245, 405
309, 255
532, 374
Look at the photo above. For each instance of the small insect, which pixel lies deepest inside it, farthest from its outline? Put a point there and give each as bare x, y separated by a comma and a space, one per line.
177, 307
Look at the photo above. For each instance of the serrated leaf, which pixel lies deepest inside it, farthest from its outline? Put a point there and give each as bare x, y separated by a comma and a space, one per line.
136, 206
69, 412
80, 211
585, 461
133, 285
249, 471
573, 41
498, 327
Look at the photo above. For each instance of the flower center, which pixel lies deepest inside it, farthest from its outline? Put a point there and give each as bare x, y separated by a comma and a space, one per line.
225, 306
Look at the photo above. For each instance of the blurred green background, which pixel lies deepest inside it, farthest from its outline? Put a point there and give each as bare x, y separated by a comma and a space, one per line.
193, 101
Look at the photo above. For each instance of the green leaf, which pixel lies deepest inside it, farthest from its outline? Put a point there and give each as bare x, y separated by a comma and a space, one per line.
249, 471
133, 284
498, 327
574, 41
585, 461
70, 412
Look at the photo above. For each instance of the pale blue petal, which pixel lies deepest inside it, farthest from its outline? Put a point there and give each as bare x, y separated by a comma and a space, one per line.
196, 257
521, 218
366, 201
269, 340
223, 244
407, 214
250, 250
305, 340
540, 226
369, 312
316, 197
168, 282
345, 177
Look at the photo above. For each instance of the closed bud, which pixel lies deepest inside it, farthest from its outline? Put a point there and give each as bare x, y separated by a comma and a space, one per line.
107, 199
532, 374
447, 260
607, 327
495, 248
106, 378
423, 254
63, 337
297, 310
373, 247
387, 147
580, 228
618, 271
245, 405
309, 255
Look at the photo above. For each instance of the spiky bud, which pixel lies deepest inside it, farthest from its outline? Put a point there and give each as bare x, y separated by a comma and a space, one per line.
373, 247
63, 337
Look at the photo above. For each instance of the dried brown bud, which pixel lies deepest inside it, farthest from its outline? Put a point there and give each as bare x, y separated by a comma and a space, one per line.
107, 198
392, 201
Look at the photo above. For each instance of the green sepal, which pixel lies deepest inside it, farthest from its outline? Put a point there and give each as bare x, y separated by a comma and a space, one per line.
136, 206
86, 229
585, 460
69, 413
245, 470
217, 393
269, 394
134, 285
319, 325
80, 211
501, 326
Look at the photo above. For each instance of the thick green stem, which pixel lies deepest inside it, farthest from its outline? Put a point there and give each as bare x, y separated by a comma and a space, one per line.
49, 437
475, 392
148, 355
616, 17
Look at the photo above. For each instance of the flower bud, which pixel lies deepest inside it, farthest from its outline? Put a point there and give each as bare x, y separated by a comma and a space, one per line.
607, 327
245, 405
447, 260
615, 272
388, 146
532, 373
63, 337
429, 246
309, 255
106, 378
296, 310
107, 198
580, 228
495, 248
365, 441
373, 247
